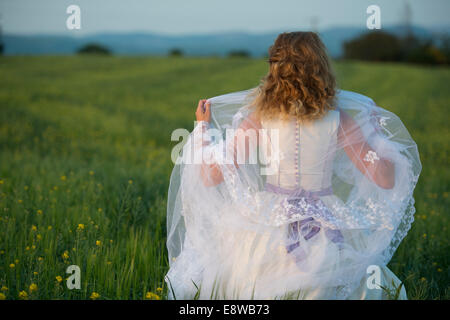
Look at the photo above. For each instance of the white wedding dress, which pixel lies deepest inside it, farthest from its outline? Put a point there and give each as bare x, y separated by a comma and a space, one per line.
309, 228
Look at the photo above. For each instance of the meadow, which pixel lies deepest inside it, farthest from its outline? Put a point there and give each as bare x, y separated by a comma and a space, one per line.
85, 166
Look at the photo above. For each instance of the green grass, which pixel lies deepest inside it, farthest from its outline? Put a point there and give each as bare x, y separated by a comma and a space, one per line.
86, 140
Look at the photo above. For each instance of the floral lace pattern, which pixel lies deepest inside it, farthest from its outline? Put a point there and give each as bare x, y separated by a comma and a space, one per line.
371, 156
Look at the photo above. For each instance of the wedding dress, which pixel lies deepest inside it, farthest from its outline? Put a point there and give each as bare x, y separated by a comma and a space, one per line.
309, 219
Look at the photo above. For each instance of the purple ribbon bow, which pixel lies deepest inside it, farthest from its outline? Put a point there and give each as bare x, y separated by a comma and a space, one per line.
308, 227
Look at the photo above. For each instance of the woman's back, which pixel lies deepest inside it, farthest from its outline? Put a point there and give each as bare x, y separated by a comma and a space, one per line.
306, 152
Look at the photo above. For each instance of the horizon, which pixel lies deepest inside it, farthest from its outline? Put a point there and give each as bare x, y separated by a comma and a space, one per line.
435, 28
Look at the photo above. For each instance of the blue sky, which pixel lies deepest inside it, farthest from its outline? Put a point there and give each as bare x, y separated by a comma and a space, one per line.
209, 16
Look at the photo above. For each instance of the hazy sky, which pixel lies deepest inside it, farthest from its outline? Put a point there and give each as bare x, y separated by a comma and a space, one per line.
206, 16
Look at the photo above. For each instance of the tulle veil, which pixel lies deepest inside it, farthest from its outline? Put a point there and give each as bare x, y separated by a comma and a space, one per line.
204, 223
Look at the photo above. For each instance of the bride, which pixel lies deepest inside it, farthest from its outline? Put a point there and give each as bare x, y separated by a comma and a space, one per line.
292, 190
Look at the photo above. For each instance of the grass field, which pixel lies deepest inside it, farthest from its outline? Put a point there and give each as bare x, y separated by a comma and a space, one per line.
85, 164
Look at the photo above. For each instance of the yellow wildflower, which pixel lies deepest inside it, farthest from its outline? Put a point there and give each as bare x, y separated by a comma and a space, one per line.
63, 178
33, 287
12, 265
33, 228
33, 247
35, 273
40, 259
16, 261
1, 181
39, 237
4, 288
94, 296
39, 212
59, 279
91, 173
100, 209
2, 296
80, 226
98, 243
23, 295
152, 296
49, 228
159, 289
20, 201
130, 181
65, 255
439, 270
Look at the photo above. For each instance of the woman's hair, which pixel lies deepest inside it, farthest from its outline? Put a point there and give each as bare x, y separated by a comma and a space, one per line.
300, 81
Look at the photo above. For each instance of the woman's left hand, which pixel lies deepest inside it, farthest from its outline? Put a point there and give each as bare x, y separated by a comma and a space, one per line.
203, 112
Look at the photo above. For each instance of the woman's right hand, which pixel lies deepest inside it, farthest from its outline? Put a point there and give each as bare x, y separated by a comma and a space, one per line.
203, 112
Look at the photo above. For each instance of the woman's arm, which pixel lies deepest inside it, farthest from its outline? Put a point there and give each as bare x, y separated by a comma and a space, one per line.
379, 170
211, 174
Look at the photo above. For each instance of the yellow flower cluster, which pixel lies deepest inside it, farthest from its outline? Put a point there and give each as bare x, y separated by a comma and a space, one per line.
65, 255
152, 296
94, 296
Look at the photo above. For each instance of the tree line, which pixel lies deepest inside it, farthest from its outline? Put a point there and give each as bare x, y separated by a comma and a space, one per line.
383, 46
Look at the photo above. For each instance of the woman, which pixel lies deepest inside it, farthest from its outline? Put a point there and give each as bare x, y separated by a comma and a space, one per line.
294, 190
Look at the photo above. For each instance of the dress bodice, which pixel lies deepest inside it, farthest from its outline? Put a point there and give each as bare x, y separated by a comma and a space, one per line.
306, 152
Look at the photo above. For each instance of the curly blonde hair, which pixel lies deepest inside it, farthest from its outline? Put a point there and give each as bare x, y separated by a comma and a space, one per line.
300, 81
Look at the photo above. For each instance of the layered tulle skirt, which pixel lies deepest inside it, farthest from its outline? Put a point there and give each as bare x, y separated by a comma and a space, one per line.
300, 260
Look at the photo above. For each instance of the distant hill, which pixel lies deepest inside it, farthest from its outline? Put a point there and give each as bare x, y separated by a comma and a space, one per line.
202, 44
